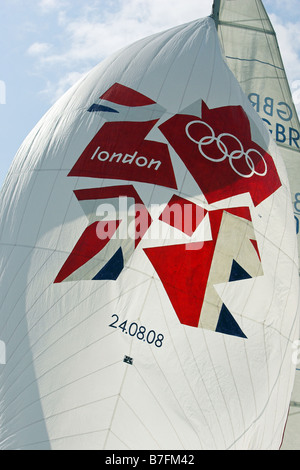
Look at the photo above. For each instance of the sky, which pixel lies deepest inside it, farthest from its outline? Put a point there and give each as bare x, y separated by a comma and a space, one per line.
47, 45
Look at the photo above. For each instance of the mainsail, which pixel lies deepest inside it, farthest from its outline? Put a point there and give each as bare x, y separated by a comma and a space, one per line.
149, 265
252, 53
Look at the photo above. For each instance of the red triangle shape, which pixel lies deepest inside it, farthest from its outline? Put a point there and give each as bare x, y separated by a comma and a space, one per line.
121, 94
89, 245
184, 274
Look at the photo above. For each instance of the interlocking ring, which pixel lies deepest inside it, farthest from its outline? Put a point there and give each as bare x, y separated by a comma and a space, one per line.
233, 156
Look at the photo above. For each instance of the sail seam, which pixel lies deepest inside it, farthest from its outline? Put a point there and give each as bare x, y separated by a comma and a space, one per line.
255, 60
251, 28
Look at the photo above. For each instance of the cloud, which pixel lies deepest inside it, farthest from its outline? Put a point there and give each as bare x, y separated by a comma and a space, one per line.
57, 89
47, 6
295, 88
90, 31
285, 7
289, 43
93, 36
39, 48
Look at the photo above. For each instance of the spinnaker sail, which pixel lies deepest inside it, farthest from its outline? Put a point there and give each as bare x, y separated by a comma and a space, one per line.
251, 48
149, 266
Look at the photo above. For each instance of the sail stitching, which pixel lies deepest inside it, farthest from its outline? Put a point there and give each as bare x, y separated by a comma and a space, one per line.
251, 28
255, 60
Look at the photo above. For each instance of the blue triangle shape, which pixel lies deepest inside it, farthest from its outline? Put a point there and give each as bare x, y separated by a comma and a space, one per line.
112, 270
238, 273
227, 324
99, 107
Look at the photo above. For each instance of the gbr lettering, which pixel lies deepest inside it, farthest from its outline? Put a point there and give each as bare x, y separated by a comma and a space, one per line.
268, 108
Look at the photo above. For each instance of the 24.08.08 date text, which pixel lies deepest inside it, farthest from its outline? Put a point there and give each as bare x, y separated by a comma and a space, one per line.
140, 332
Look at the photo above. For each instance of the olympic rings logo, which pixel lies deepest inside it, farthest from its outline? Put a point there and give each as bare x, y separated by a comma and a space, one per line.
233, 157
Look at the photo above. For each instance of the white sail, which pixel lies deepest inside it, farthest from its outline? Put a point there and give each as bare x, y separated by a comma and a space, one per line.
252, 53
149, 268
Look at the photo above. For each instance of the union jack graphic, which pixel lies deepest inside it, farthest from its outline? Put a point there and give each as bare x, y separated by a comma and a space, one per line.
217, 149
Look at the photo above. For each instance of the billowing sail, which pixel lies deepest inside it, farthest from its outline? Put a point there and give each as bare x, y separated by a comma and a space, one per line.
149, 267
252, 53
